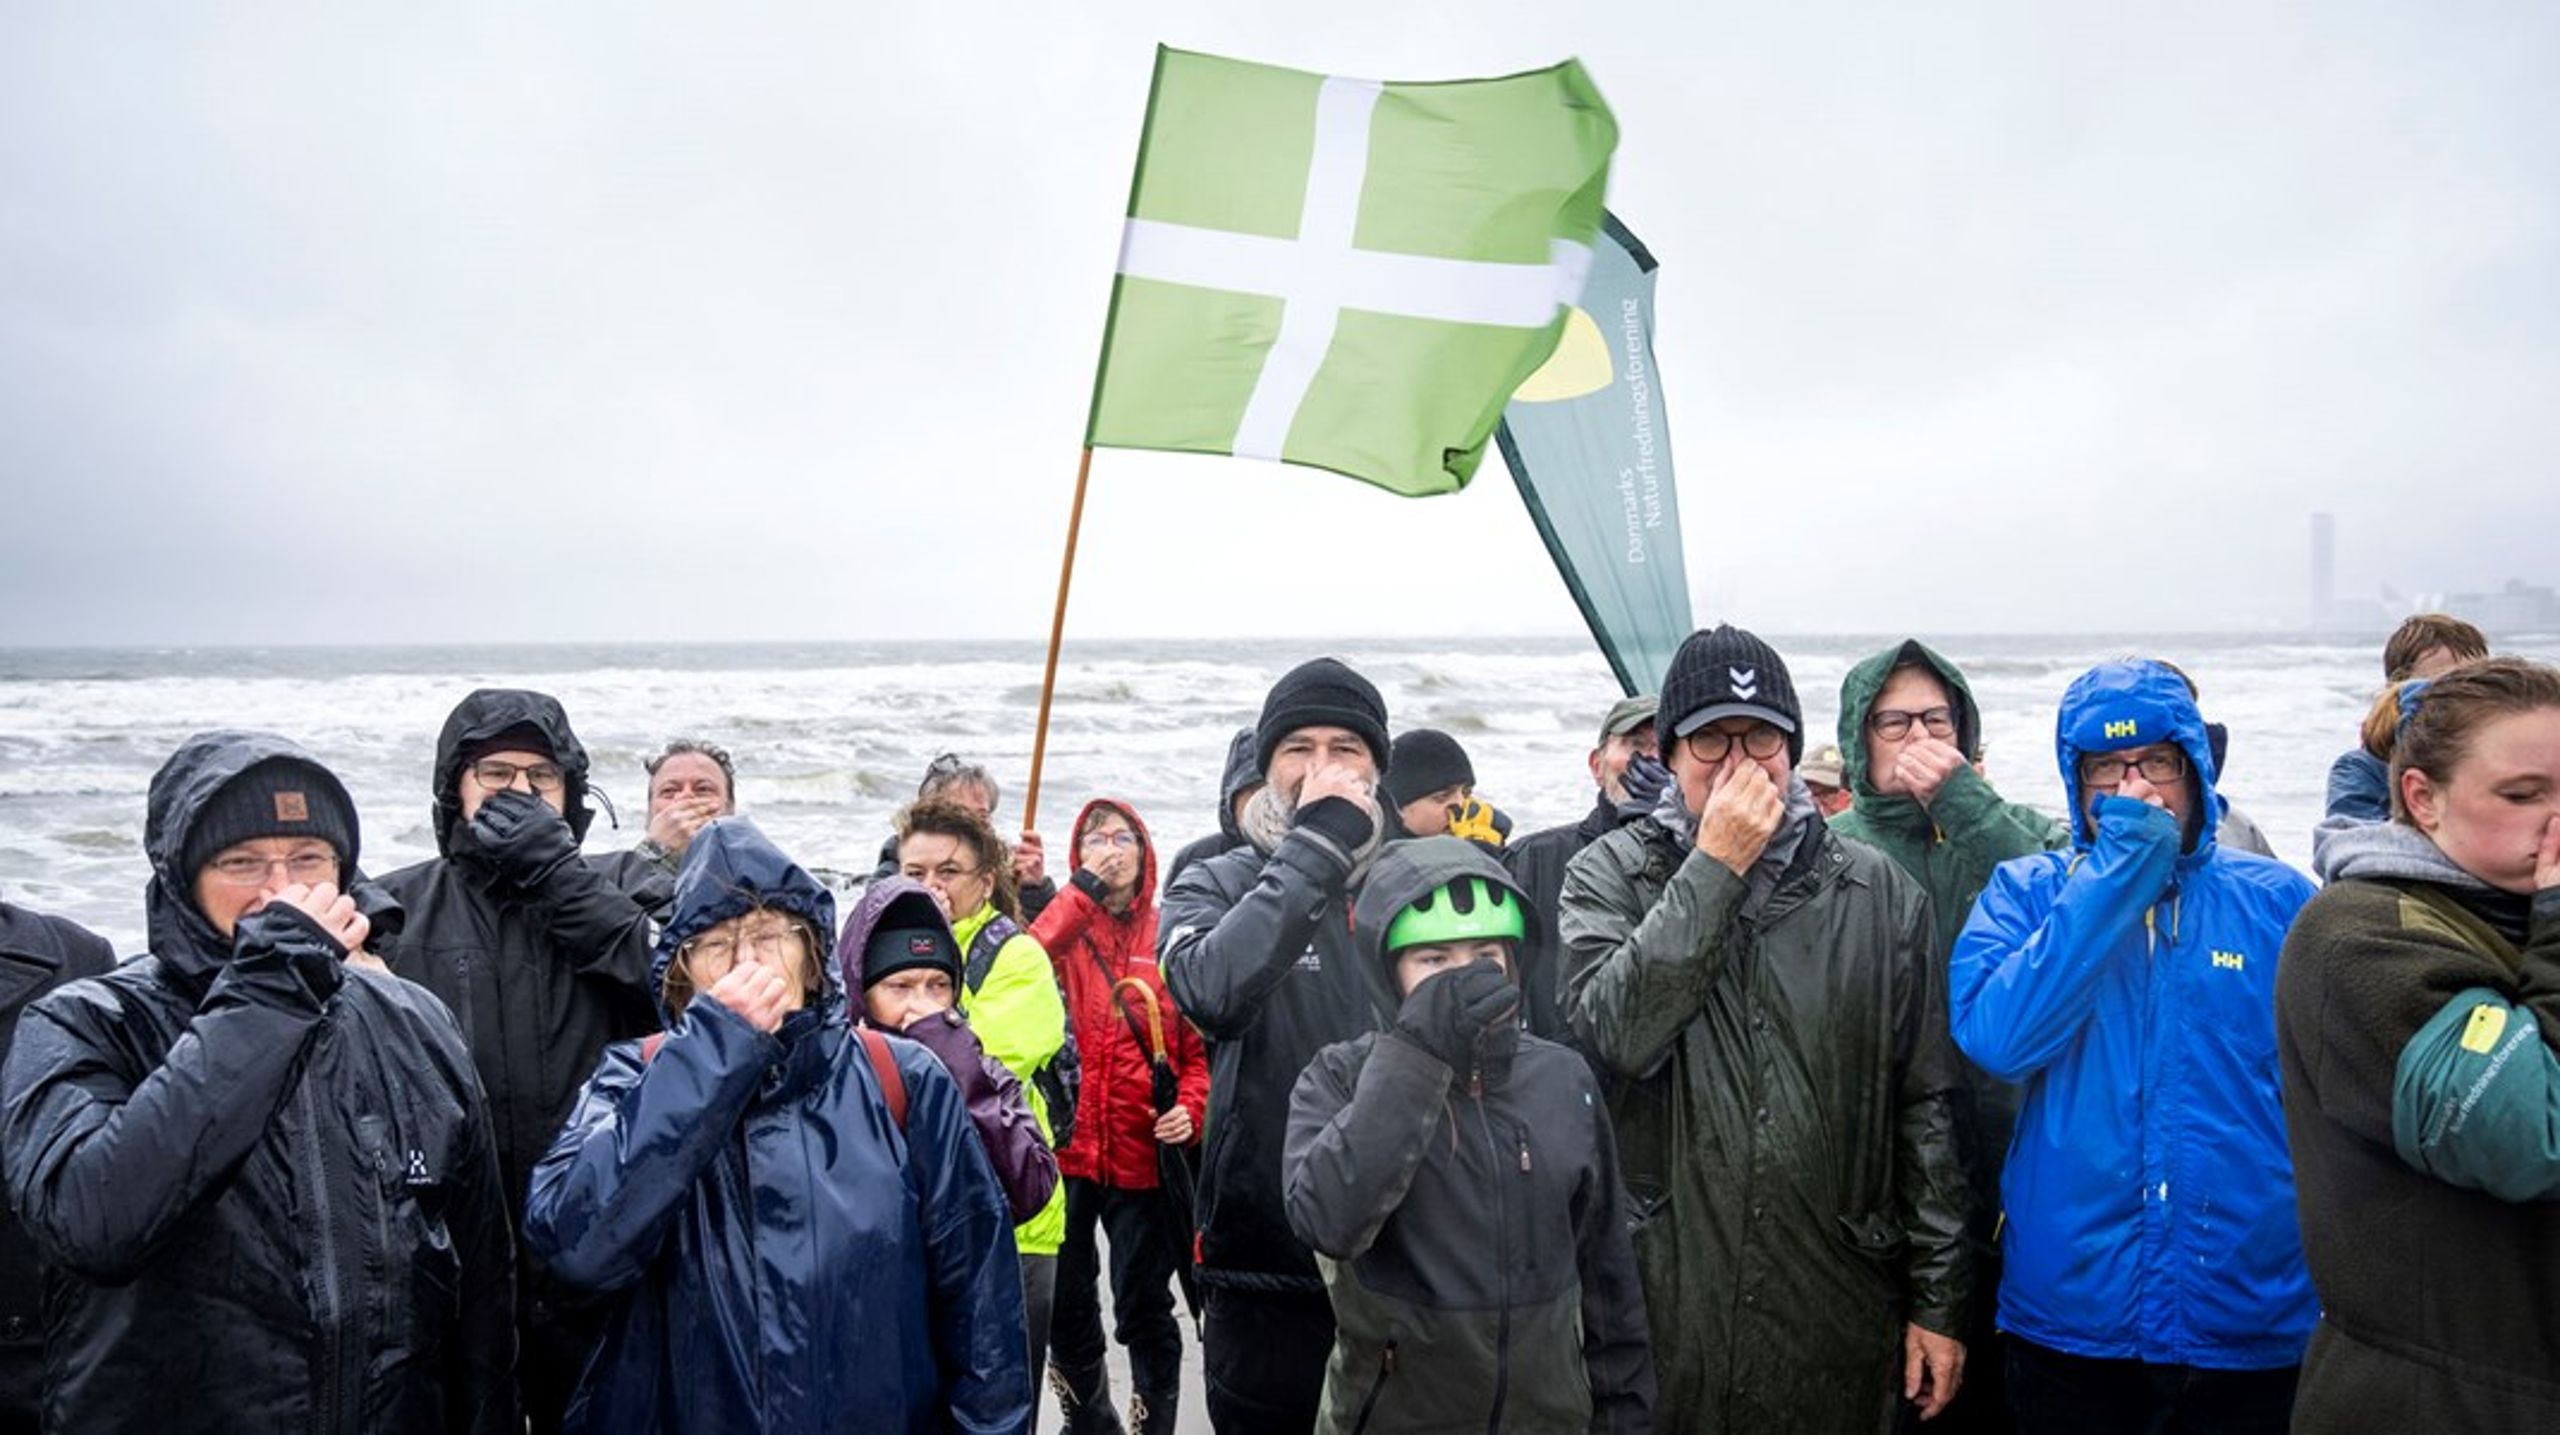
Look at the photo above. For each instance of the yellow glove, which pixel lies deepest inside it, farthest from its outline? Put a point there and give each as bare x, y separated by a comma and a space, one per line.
1478, 822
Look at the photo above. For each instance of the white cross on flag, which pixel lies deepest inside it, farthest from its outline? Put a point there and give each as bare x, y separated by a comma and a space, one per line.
1346, 273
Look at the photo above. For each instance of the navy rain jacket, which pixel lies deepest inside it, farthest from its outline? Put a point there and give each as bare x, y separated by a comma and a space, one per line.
785, 1257
2129, 986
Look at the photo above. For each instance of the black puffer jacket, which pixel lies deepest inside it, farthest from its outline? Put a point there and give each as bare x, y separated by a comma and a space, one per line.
263, 1179
37, 954
1473, 1220
1257, 951
1786, 1096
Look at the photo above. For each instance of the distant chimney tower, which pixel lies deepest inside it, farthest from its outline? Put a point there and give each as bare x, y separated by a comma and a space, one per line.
2324, 569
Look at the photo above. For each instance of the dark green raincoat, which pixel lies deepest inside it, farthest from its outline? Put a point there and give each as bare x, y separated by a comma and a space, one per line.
1785, 1094
1949, 848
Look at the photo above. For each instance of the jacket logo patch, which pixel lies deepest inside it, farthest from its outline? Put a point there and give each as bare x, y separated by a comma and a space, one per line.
2230, 961
292, 807
1746, 682
417, 1173
2125, 727
1308, 961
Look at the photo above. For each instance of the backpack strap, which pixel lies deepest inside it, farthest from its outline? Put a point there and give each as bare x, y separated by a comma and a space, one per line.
984, 948
884, 1065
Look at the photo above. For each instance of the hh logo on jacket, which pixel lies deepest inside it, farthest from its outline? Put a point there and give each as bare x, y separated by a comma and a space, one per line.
2230, 961
2125, 727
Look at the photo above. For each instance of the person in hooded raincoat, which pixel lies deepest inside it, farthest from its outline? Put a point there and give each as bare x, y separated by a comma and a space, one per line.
541, 954
1237, 784
1458, 1178
1100, 932
899, 960
1910, 745
781, 1252
2152, 1265
258, 1165
2418, 1022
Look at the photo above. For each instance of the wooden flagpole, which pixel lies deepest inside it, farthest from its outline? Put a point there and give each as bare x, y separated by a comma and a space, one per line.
1057, 633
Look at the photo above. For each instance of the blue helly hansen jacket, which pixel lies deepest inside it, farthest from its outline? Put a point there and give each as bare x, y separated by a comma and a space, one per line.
2129, 985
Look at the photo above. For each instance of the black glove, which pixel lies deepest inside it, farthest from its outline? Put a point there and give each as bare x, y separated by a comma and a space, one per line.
1346, 823
517, 838
384, 916
1449, 1014
1644, 780
281, 943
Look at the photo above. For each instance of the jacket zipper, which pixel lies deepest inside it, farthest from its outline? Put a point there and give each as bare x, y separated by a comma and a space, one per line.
331, 1300
1377, 1386
1502, 1237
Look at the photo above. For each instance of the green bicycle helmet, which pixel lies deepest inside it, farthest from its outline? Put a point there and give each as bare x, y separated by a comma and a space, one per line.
1470, 909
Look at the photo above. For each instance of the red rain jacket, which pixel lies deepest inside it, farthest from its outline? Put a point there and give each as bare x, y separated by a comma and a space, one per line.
1115, 1140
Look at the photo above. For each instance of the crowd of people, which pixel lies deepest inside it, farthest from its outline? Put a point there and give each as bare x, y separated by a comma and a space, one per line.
1823, 1090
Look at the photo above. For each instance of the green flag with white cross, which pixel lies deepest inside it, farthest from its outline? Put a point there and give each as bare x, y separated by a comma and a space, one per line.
1349, 274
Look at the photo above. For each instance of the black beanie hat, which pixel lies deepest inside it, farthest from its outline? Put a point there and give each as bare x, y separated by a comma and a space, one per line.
523, 737
1424, 761
280, 797
1728, 672
1322, 692
896, 949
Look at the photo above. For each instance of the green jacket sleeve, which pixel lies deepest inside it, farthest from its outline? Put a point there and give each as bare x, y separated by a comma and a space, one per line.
1975, 818
2475, 1100
1636, 973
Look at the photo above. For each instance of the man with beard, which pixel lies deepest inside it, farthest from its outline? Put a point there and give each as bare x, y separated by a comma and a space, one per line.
1256, 947
543, 959
692, 783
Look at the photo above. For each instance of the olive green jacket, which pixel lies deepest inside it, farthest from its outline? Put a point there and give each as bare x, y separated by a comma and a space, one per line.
1950, 848
1786, 1095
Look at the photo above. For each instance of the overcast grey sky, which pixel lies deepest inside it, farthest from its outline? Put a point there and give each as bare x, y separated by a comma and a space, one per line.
609, 321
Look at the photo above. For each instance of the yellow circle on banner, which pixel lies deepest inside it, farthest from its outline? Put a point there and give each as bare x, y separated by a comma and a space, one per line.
1580, 364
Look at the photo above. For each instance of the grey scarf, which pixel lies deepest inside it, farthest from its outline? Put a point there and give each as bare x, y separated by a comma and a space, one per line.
1673, 813
1269, 815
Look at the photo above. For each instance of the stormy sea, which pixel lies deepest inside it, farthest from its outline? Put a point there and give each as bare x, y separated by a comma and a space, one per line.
831, 737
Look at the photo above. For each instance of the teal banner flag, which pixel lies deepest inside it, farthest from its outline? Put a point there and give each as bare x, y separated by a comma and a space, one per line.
1590, 447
